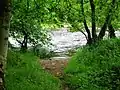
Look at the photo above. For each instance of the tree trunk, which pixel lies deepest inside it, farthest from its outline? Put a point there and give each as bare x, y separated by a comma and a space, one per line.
107, 20
102, 32
4, 33
89, 40
94, 35
24, 43
111, 31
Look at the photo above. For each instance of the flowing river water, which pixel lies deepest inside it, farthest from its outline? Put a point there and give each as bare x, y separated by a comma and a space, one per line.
63, 40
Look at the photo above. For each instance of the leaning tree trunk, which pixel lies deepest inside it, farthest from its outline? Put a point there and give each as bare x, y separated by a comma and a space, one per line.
89, 39
4, 31
107, 20
111, 31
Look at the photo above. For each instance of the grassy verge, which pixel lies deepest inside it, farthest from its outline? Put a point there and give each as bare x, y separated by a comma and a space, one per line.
95, 67
24, 73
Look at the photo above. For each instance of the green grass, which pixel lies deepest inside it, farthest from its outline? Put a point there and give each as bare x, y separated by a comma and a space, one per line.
24, 73
95, 67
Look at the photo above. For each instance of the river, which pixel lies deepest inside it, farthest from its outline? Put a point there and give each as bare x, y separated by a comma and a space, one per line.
63, 40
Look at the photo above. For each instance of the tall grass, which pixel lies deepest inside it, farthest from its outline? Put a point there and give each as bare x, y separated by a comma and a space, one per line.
95, 67
24, 73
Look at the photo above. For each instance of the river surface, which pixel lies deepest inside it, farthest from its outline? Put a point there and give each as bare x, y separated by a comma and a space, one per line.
63, 40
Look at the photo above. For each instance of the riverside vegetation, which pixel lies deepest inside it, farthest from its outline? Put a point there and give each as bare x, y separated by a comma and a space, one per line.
95, 67
25, 73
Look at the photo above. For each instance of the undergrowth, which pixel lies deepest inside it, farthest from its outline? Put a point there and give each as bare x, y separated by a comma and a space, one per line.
24, 73
95, 67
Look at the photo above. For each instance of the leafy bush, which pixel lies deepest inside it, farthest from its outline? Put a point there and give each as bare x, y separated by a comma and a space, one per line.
24, 73
95, 67
43, 52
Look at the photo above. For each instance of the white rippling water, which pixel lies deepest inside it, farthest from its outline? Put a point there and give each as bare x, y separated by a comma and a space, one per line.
64, 40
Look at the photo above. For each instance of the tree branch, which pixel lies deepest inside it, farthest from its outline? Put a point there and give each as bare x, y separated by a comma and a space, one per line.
84, 34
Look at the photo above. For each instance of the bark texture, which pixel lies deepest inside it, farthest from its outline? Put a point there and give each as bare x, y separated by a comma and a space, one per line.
4, 33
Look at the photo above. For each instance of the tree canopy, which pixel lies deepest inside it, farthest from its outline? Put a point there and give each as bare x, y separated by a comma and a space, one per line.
28, 16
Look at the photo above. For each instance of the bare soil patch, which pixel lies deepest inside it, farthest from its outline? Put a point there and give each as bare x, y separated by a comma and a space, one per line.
56, 67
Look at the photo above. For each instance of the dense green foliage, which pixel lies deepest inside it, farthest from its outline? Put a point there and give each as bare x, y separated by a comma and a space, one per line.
95, 67
26, 24
29, 17
24, 73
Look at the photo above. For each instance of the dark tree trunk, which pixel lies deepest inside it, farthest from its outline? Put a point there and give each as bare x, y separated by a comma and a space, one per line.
5, 9
111, 31
89, 40
102, 32
107, 20
24, 46
94, 35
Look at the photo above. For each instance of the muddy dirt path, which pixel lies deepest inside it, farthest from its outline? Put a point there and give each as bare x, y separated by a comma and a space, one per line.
55, 67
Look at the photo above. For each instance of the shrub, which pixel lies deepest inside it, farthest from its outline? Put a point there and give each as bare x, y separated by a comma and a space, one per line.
95, 67
24, 73
43, 52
